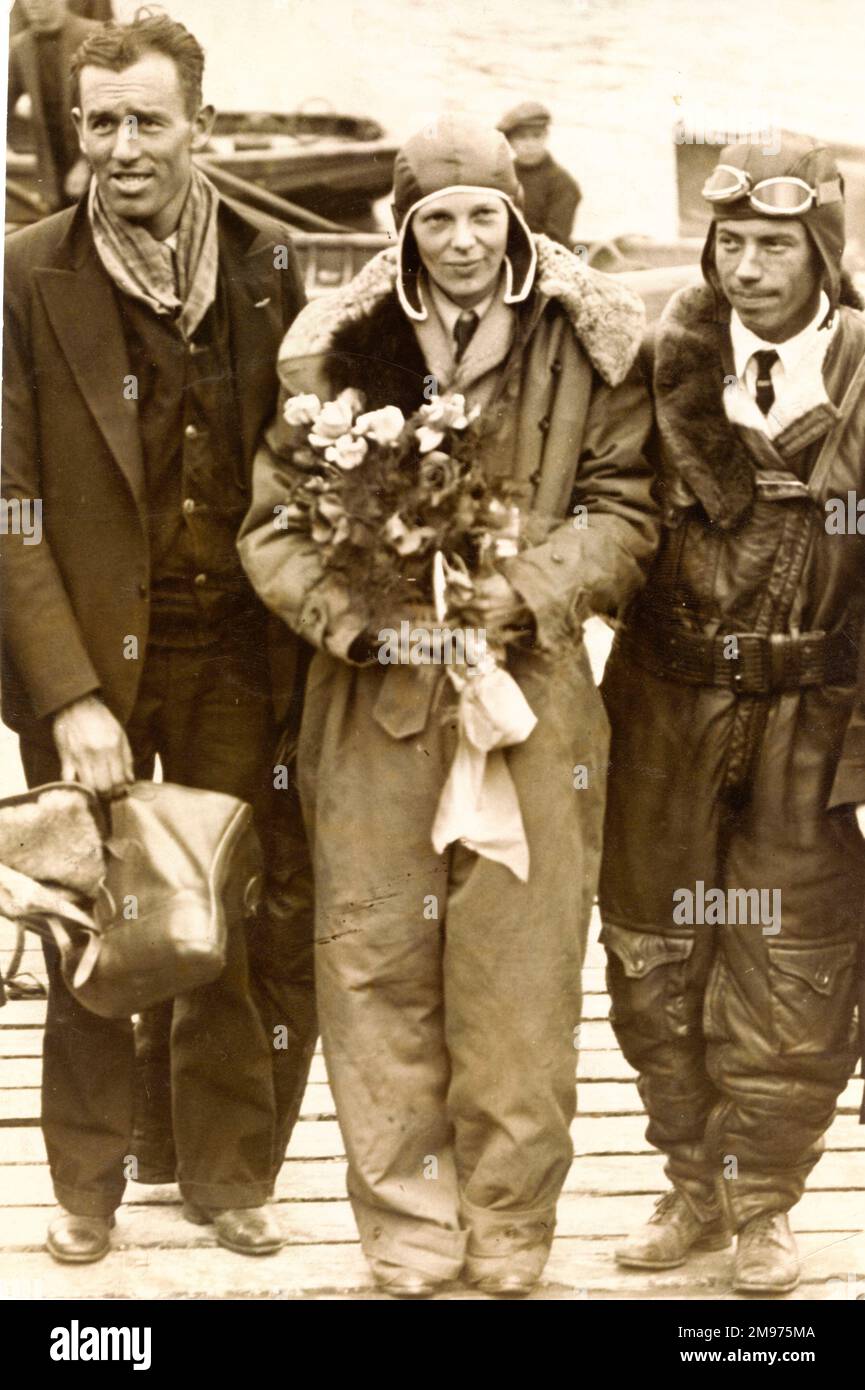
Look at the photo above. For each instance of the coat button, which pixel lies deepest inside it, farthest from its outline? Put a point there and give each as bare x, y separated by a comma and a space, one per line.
142, 589
191, 432
639, 963
823, 977
189, 505
200, 580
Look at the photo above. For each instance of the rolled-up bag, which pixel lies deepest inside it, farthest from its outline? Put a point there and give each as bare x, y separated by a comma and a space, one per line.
182, 868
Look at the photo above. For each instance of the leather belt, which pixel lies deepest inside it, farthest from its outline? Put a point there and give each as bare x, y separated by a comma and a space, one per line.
749, 663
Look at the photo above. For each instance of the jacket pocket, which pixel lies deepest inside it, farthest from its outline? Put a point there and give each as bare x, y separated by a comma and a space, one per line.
647, 980
812, 994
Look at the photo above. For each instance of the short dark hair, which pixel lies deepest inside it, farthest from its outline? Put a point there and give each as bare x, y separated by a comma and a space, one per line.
117, 46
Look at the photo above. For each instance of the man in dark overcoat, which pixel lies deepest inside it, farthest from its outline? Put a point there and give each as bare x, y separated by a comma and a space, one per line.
141, 333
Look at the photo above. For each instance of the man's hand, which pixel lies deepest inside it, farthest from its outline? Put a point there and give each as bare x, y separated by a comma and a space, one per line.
93, 747
860, 819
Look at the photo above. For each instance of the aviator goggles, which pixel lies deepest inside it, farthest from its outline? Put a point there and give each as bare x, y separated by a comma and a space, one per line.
783, 196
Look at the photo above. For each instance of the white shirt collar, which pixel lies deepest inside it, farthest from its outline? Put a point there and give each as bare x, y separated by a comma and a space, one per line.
745, 343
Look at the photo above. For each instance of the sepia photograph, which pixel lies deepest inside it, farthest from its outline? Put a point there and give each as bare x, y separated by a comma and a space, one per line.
432, 616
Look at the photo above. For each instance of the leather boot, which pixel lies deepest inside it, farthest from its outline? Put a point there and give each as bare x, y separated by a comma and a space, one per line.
245, 1230
401, 1282
511, 1276
79, 1240
767, 1260
671, 1234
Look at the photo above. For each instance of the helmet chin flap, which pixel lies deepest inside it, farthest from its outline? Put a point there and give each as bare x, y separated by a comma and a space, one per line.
520, 254
458, 154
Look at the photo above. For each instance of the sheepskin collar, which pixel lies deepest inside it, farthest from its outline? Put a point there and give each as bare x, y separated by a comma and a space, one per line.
608, 318
701, 447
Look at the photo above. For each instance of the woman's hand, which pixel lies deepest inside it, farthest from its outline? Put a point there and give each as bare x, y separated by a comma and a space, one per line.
495, 604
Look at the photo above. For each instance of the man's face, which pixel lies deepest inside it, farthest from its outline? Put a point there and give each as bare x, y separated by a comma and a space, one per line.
770, 273
45, 16
462, 238
136, 131
529, 143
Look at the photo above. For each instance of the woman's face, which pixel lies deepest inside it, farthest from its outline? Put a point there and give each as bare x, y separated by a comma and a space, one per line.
461, 238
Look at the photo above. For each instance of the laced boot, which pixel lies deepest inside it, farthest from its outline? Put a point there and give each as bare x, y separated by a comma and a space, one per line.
767, 1260
670, 1234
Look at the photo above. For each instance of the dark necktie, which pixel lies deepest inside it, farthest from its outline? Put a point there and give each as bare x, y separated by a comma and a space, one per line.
464, 331
765, 395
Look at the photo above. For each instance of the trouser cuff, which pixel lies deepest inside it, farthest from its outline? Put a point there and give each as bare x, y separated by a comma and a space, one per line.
496, 1235
745, 1206
81, 1202
215, 1196
411, 1244
699, 1193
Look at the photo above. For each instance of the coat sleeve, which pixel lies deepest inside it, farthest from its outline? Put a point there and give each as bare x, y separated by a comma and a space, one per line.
40, 631
285, 567
596, 561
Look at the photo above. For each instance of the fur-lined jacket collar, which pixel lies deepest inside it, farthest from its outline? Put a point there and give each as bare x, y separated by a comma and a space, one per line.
702, 449
607, 318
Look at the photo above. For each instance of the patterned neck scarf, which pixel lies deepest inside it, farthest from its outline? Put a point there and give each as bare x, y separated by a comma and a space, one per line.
144, 268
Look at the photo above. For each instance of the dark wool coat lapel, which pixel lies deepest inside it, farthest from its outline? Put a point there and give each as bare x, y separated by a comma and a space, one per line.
381, 351
701, 447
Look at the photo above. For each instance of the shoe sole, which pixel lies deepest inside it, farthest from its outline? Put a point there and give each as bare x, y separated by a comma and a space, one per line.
407, 1295
767, 1288
508, 1291
201, 1218
75, 1259
705, 1244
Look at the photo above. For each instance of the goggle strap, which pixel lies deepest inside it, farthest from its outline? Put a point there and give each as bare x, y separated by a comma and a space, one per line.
829, 192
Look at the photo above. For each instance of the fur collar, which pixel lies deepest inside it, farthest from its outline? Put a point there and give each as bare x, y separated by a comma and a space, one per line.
701, 447
607, 318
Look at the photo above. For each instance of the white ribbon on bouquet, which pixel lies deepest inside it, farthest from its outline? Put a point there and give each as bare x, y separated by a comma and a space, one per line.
479, 805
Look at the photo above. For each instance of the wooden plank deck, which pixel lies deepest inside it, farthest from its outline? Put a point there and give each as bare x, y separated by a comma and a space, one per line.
609, 1191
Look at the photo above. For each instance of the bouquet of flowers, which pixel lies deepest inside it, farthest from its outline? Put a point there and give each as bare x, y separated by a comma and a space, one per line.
382, 496
402, 512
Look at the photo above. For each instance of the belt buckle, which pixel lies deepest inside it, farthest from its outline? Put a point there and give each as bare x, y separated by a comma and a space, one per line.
784, 661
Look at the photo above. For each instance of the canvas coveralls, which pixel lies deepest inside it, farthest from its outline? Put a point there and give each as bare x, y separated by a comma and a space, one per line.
449, 992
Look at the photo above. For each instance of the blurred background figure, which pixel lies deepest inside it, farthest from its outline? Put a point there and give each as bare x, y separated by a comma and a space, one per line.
551, 194
86, 9
39, 58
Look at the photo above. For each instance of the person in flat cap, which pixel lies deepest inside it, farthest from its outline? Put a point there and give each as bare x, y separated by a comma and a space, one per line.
449, 1035
733, 875
551, 195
